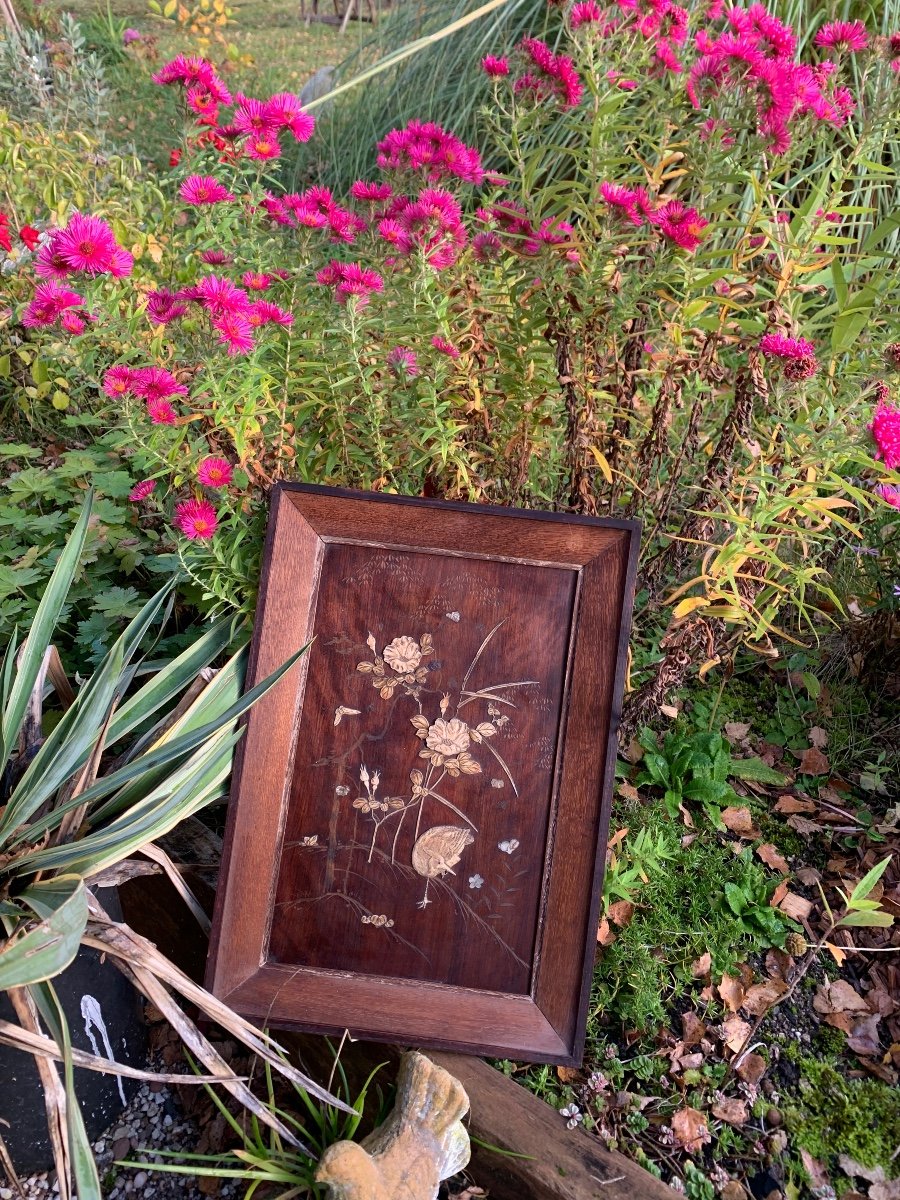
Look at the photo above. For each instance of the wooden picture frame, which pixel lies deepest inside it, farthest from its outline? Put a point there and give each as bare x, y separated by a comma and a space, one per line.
420, 807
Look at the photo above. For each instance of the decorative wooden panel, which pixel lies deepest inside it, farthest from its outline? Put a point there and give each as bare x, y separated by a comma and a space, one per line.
420, 807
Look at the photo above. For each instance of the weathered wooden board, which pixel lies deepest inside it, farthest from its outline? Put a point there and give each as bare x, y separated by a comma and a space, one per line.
418, 822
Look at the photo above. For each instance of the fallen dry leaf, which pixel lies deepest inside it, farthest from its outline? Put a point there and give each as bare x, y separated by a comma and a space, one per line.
779, 965
568, 1074
796, 906
739, 821
836, 952
734, 1112
605, 935
692, 1028
818, 738
772, 857
818, 1176
751, 1068
889, 1190
731, 990
690, 1062
804, 826
700, 966
864, 1037
838, 995
736, 731
856, 1170
734, 1033
618, 836
793, 804
690, 1129
814, 762
687, 839
629, 792
761, 996
621, 913
779, 894
669, 710
733, 1190
809, 876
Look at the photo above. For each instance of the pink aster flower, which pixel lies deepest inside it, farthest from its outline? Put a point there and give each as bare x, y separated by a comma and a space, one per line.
164, 306
285, 111
214, 472
51, 301
371, 193
776, 345
350, 281
253, 117
130, 35
584, 13
622, 198
263, 147
682, 225
221, 297
156, 383
119, 381
889, 493
264, 312
424, 147
49, 263
216, 258
196, 519
142, 490
72, 322
494, 66
203, 189
88, 244
445, 347
885, 429
843, 35
557, 71
403, 362
256, 281
235, 332
161, 412
204, 104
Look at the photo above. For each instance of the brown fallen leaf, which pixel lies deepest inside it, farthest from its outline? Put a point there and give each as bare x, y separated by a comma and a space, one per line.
814, 762
690, 1129
692, 1028
700, 966
740, 821
818, 1176
735, 1032
621, 912
818, 737
793, 804
779, 894
864, 1037
605, 935
809, 876
568, 1074
629, 792
837, 995
733, 1190
751, 1068
804, 826
730, 1110
773, 857
779, 965
796, 906
731, 991
761, 996
736, 731
691, 1062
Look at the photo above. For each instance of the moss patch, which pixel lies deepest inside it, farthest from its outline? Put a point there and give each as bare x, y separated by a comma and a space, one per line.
835, 1115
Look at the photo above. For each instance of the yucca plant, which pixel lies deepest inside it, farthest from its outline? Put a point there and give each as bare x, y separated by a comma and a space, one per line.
140, 747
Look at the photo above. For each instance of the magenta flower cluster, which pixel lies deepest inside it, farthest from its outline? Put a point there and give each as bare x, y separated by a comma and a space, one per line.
422, 147
677, 222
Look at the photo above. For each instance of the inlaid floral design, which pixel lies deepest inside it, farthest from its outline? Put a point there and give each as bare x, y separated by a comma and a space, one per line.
452, 746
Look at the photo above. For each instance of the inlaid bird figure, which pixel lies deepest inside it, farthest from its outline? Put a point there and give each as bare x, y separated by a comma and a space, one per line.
437, 852
422, 1141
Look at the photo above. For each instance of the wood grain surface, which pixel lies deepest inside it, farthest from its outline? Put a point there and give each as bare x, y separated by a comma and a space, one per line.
418, 825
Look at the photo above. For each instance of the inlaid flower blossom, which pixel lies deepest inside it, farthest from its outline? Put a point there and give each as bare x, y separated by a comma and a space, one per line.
403, 655
448, 737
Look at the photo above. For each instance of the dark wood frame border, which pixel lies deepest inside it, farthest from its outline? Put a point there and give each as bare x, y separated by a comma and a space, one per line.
548, 1025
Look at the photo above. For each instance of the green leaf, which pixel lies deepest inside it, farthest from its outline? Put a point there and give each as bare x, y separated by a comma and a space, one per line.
755, 770
881, 919
868, 881
736, 899
41, 631
48, 948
